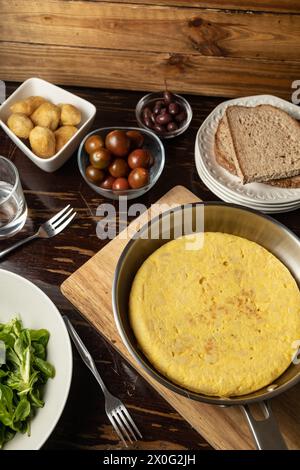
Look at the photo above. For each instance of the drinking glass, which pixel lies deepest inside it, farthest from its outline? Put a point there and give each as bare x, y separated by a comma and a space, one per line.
13, 208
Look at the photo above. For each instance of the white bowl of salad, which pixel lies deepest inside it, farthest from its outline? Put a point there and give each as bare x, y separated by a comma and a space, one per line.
35, 364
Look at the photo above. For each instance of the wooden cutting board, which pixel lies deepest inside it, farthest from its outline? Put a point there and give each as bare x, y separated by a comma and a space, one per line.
89, 290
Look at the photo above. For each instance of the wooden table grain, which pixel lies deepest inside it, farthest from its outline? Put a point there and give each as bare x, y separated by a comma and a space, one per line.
47, 263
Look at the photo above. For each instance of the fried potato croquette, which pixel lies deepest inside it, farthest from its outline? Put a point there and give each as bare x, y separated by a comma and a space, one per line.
37, 119
36, 101
47, 115
63, 135
70, 115
27, 106
20, 125
42, 141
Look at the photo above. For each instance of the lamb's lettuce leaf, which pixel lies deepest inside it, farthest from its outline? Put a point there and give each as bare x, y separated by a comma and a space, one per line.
22, 377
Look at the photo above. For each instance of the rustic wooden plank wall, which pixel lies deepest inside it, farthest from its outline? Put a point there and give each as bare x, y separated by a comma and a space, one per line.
290, 6
229, 48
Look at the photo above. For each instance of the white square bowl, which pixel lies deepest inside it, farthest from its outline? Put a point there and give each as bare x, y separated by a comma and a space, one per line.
55, 94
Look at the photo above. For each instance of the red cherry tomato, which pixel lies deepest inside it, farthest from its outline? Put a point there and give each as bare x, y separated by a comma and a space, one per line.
94, 175
138, 178
118, 143
120, 184
118, 168
139, 158
136, 138
101, 158
94, 142
108, 182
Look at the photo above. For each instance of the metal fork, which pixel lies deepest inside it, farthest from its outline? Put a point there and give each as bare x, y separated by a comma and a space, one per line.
47, 230
117, 413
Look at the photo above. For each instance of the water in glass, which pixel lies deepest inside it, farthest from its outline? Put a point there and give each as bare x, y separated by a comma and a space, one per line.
13, 209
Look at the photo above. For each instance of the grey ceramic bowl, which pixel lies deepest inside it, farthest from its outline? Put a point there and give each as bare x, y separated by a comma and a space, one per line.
151, 143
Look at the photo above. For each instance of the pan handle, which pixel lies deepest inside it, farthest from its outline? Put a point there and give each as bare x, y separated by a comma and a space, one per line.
266, 432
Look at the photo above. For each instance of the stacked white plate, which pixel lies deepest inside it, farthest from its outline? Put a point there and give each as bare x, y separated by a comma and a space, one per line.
229, 188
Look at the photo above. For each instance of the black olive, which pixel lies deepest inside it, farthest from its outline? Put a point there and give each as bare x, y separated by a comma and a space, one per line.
173, 108
172, 126
163, 119
180, 117
146, 112
168, 97
157, 106
160, 129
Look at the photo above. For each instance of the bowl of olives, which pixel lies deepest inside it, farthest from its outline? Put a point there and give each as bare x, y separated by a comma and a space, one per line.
166, 114
123, 161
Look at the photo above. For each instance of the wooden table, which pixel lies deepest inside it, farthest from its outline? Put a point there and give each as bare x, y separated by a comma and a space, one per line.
83, 424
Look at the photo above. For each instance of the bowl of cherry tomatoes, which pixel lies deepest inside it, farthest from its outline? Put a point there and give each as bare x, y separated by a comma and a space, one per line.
123, 161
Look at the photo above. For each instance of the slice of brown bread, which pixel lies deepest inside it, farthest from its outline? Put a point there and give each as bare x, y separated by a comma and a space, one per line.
224, 151
293, 182
266, 142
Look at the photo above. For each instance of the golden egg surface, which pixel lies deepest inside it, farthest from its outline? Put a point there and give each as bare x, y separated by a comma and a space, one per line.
219, 320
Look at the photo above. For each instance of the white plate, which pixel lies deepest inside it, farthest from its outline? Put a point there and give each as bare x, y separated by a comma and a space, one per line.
20, 297
258, 192
55, 94
222, 194
267, 210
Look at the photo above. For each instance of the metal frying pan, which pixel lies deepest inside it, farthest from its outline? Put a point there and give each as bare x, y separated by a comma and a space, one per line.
218, 217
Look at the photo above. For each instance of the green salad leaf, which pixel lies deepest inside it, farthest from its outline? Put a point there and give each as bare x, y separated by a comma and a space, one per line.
22, 377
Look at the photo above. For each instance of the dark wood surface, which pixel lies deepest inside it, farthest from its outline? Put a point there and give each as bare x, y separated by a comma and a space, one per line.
83, 424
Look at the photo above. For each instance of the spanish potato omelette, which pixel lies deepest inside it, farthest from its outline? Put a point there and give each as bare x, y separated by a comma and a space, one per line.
220, 320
